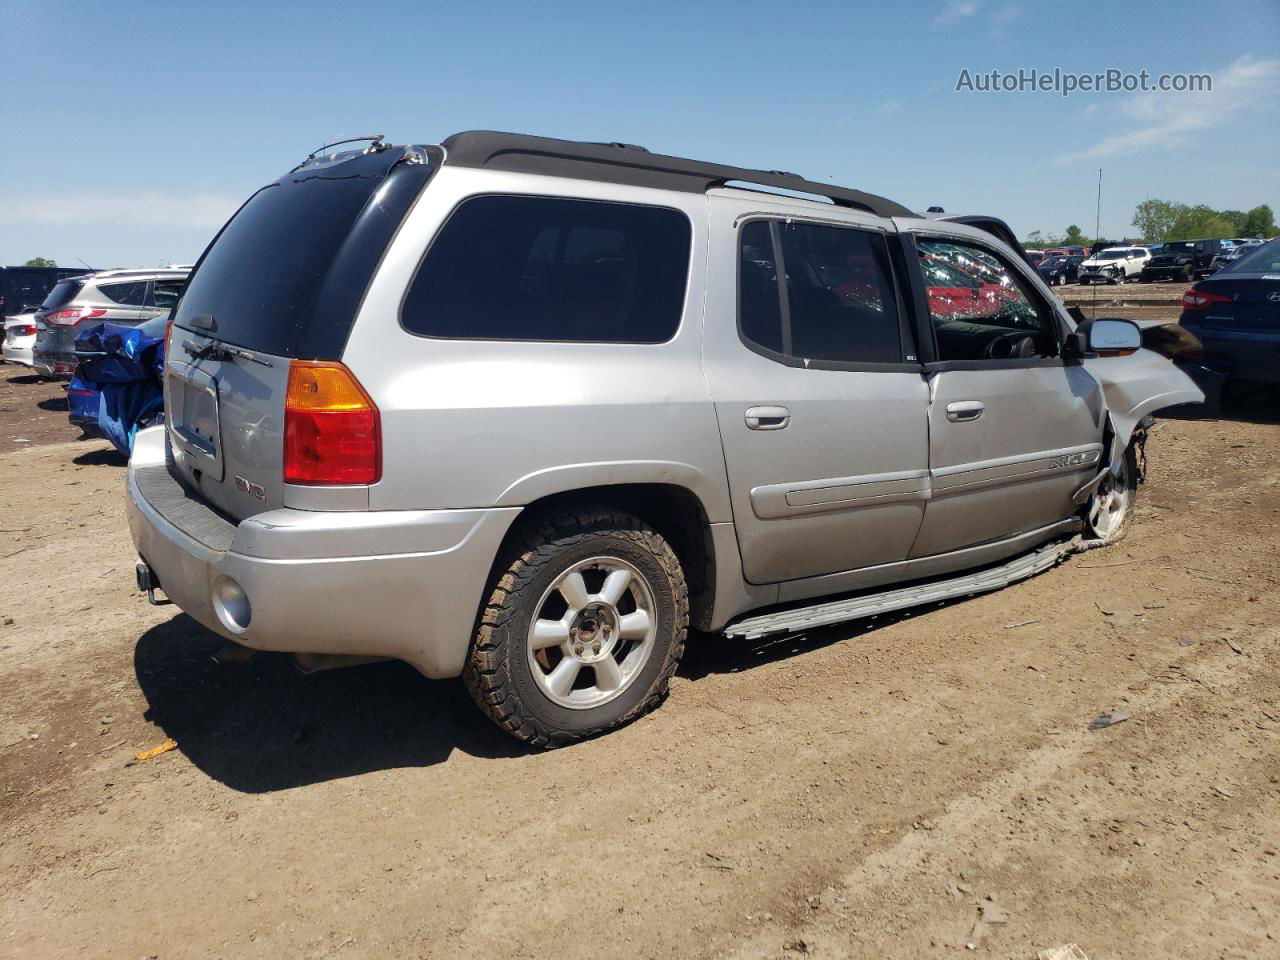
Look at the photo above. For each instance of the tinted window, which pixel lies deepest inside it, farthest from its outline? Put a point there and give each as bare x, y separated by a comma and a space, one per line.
840, 304
62, 294
164, 294
542, 268
287, 273
980, 307
759, 304
131, 294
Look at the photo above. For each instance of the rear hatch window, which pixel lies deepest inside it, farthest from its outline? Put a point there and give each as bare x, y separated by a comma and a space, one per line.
287, 273
63, 293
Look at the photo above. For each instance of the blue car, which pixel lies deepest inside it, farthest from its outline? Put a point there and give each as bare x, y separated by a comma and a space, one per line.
117, 387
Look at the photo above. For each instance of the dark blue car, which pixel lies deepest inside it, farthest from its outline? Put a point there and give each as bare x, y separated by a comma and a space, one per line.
1235, 314
117, 387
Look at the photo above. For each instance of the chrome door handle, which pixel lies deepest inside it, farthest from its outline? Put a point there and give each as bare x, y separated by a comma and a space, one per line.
963, 410
767, 418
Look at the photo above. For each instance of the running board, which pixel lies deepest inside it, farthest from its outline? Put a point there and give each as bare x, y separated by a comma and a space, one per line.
867, 605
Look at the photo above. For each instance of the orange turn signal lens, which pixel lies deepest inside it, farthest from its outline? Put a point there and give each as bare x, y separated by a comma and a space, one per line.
332, 430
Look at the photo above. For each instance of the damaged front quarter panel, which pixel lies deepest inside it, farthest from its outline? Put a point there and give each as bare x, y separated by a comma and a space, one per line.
1136, 386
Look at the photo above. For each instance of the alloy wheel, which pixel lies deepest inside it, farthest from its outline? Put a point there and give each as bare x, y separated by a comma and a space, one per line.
592, 633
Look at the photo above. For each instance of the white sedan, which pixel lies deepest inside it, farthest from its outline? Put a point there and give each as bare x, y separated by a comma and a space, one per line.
20, 338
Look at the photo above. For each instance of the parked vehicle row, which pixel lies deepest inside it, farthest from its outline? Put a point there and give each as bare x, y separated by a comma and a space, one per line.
1175, 260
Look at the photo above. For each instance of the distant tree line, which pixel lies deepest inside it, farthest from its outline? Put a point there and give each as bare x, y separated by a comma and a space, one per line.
40, 262
1160, 220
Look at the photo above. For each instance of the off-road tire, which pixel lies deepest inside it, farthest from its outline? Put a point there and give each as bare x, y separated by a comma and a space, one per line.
497, 673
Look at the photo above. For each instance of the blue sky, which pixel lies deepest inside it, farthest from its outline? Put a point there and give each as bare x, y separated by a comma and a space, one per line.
133, 129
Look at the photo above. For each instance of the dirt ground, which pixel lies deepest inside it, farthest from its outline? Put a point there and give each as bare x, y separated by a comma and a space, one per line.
893, 789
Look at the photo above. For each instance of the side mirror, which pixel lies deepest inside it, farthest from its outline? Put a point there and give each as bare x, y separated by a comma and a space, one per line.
1114, 338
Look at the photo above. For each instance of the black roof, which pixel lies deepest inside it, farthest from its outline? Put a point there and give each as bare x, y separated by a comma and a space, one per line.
636, 166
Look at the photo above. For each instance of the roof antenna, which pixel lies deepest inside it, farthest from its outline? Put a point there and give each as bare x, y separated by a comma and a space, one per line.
1097, 232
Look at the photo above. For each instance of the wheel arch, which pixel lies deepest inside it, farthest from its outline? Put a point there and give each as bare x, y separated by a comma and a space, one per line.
673, 510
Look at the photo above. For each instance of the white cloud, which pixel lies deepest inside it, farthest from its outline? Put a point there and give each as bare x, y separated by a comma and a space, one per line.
1163, 119
146, 208
889, 107
954, 10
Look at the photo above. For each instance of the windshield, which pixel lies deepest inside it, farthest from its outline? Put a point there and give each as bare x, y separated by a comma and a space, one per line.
1111, 255
1056, 262
286, 275
1263, 259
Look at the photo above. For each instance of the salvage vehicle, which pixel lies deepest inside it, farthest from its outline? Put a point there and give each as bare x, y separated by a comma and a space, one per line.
1183, 260
529, 410
1235, 314
1114, 265
124, 297
116, 389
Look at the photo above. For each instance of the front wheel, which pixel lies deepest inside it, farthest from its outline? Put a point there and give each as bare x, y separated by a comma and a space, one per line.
583, 628
1111, 508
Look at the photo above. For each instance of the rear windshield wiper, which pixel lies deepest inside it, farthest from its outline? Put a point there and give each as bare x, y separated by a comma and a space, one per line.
220, 351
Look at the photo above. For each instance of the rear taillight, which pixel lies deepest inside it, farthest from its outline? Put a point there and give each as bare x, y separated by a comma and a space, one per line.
332, 433
23, 330
168, 336
1195, 299
72, 316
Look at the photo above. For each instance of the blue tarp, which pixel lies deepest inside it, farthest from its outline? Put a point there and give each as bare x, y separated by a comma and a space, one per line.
124, 367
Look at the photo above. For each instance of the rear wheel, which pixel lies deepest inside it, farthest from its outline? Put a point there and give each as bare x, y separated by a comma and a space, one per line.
584, 626
1111, 507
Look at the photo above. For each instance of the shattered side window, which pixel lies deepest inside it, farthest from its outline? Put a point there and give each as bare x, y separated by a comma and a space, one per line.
980, 307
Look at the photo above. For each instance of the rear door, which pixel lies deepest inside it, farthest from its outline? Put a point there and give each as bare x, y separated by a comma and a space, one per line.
818, 395
283, 280
1013, 429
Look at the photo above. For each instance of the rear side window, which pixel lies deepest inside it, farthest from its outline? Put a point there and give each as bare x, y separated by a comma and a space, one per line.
164, 294
126, 294
553, 269
838, 302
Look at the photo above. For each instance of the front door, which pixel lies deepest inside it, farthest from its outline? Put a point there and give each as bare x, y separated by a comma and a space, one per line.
1014, 430
820, 401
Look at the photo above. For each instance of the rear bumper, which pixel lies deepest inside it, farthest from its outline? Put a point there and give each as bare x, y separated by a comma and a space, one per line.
1240, 354
18, 354
401, 584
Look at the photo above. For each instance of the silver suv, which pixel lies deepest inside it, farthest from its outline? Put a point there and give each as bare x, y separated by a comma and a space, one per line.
528, 410
127, 297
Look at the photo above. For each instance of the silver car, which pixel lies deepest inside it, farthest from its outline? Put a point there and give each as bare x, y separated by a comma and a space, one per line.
528, 411
127, 297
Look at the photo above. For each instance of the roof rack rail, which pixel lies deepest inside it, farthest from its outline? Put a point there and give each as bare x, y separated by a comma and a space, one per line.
636, 166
